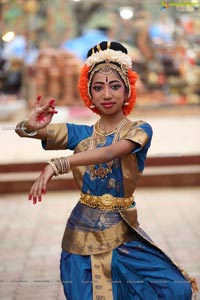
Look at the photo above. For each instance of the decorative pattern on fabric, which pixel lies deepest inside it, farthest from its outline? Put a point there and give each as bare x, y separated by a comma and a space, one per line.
101, 276
78, 172
102, 172
123, 186
87, 243
137, 135
57, 136
132, 132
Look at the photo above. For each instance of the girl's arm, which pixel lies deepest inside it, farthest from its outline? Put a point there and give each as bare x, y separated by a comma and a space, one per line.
103, 154
89, 157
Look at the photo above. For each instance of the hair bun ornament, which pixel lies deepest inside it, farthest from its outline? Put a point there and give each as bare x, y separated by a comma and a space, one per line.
108, 52
107, 45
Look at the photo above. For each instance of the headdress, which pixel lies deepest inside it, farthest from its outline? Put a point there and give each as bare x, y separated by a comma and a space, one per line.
105, 57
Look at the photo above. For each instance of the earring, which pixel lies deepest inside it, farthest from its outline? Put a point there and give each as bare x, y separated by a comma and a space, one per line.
126, 103
92, 106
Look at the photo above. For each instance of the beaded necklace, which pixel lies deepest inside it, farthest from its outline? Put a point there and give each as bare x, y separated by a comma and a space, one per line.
102, 172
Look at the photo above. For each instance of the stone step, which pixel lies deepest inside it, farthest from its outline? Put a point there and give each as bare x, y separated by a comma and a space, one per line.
159, 172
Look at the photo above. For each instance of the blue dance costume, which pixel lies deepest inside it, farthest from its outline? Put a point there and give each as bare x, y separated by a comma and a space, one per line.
105, 254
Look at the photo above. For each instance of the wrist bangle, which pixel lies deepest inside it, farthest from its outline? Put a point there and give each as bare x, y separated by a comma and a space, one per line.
56, 173
61, 164
21, 127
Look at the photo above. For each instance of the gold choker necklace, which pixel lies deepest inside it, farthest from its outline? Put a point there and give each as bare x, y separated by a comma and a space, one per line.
99, 131
102, 172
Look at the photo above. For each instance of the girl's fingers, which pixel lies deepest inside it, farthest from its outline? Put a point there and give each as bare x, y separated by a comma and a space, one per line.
46, 107
46, 113
44, 116
39, 187
37, 103
34, 193
30, 195
52, 103
38, 100
54, 112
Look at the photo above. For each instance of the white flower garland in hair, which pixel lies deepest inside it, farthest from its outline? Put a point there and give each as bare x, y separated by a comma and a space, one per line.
111, 56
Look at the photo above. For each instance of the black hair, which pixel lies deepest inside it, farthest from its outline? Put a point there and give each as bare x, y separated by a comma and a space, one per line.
107, 45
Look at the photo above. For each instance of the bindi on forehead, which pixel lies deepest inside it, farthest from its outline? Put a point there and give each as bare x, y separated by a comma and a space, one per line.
105, 80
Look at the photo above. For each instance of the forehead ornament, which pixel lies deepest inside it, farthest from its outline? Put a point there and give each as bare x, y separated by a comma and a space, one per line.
106, 69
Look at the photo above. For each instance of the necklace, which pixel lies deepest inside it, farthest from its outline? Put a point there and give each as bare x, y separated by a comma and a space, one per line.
102, 172
101, 132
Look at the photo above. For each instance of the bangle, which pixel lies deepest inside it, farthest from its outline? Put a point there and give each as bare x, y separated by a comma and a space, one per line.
21, 127
51, 163
61, 164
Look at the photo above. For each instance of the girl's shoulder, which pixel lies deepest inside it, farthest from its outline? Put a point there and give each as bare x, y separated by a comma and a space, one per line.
133, 125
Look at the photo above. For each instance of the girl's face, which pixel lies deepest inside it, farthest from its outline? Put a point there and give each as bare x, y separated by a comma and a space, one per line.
108, 92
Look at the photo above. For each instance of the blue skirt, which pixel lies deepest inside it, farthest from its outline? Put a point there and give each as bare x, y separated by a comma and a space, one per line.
139, 272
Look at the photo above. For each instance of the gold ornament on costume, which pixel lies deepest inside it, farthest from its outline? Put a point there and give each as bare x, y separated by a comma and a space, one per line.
102, 172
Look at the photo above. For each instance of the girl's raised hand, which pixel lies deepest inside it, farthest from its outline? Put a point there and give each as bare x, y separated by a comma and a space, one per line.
42, 115
39, 186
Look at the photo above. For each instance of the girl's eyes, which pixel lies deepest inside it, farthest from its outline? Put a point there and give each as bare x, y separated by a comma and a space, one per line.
113, 87
97, 88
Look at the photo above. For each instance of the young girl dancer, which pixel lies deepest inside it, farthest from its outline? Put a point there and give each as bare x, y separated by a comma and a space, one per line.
105, 254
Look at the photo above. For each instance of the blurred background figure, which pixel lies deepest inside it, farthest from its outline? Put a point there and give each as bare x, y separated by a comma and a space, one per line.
79, 45
13, 55
56, 74
13, 77
97, 26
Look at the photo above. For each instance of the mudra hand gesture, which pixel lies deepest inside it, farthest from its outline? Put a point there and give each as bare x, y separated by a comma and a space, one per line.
35, 126
42, 115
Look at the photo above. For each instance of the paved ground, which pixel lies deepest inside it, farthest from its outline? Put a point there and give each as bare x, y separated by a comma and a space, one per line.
31, 234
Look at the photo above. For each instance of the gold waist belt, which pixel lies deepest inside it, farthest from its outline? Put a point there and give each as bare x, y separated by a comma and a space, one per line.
106, 201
